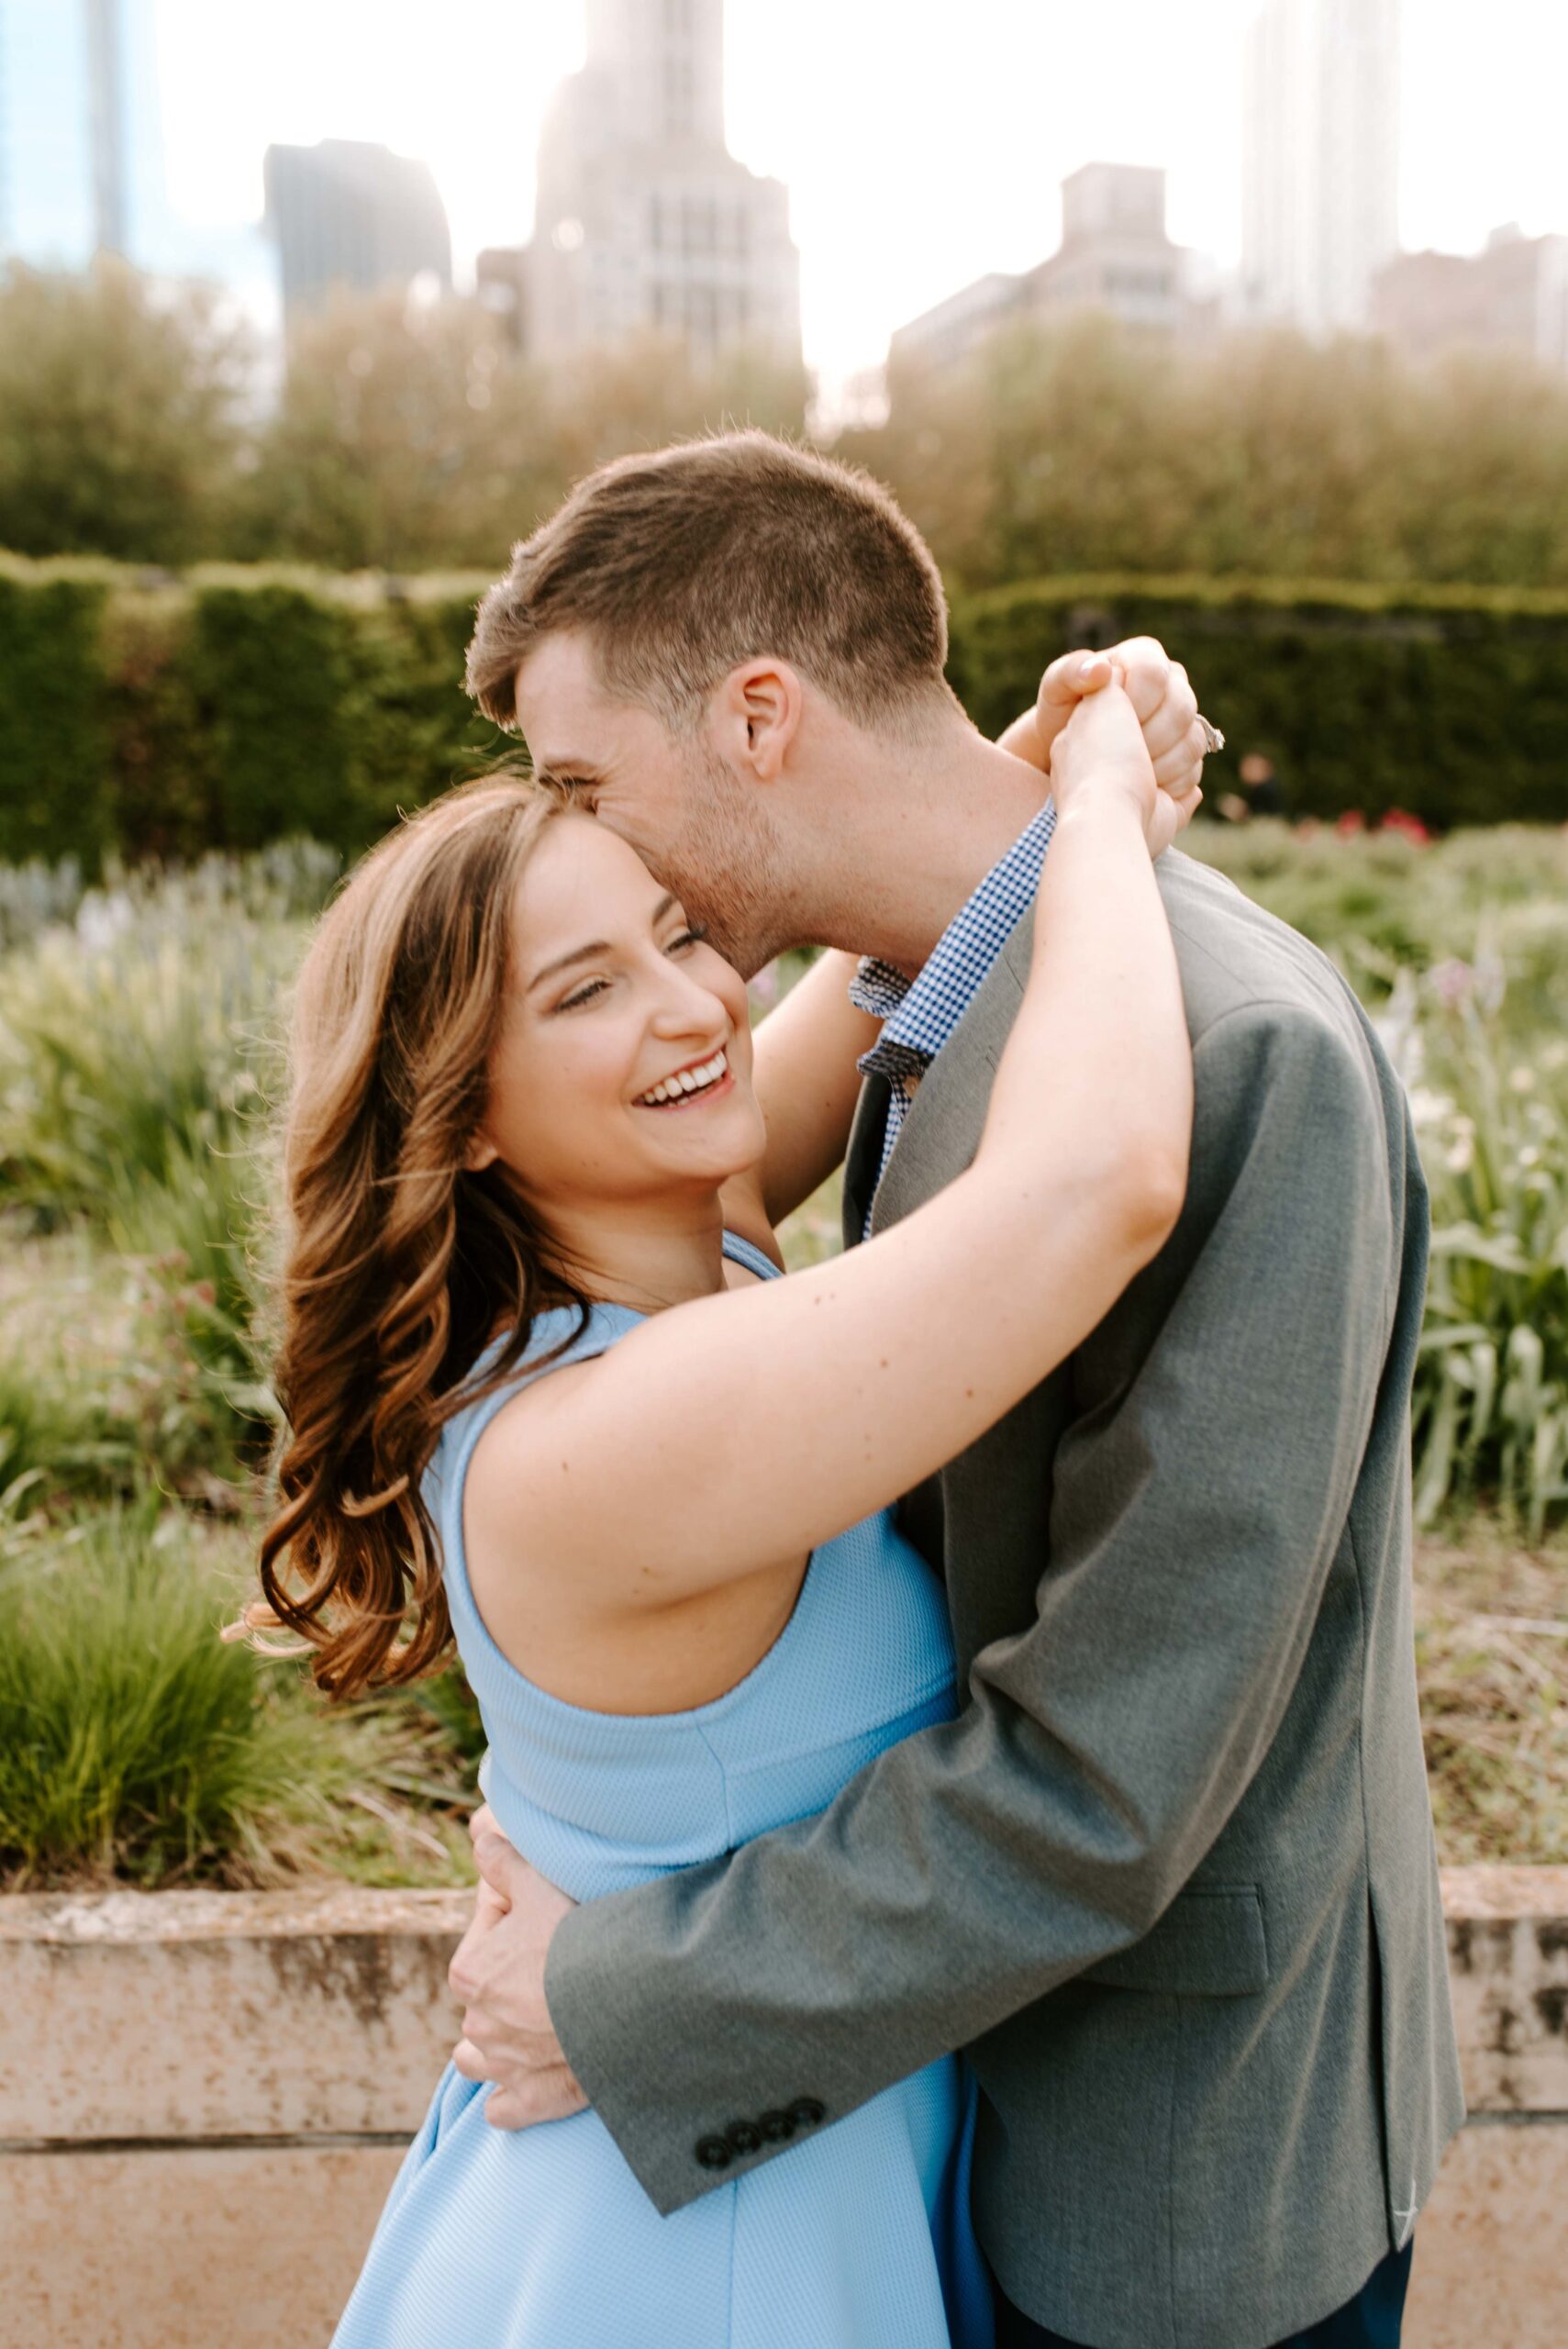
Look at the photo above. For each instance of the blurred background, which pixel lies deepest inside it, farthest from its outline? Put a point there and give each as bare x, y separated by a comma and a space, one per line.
1246, 323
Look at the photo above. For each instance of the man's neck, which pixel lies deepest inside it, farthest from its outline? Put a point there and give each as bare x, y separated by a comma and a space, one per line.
915, 832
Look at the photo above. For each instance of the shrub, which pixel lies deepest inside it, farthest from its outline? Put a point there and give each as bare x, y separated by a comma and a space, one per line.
148, 1032
135, 1743
233, 706
55, 798
1452, 704
132, 1741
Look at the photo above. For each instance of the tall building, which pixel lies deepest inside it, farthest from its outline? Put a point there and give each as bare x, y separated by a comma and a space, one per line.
1115, 253
74, 146
1511, 297
1115, 256
81, 151
643, 218
1320, 160
347, 212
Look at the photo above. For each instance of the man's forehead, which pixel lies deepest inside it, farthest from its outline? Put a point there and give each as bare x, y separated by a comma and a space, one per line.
566, 715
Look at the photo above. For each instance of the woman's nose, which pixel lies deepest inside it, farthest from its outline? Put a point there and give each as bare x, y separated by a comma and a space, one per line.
686, 1007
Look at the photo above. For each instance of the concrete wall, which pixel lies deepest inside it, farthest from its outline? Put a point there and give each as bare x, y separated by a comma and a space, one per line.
203, 2097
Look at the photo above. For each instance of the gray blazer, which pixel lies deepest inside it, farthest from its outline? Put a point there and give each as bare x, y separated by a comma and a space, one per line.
1170, 1878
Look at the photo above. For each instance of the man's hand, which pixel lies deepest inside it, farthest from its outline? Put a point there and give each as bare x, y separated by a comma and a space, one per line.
1157, 688
497, 1973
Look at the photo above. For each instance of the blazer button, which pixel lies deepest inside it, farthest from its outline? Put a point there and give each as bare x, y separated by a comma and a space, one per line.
777, 2128
744, 2137
807, 2112
713, 2153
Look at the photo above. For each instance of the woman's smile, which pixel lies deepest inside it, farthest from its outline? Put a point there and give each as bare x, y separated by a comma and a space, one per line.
685, 1088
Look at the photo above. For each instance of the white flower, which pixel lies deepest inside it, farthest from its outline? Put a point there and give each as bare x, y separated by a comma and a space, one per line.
1429, 1108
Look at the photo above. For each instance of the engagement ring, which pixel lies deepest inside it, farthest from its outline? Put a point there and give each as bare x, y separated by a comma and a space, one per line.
1213, 740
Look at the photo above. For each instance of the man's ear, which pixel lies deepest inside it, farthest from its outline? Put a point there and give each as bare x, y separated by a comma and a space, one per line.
757, 712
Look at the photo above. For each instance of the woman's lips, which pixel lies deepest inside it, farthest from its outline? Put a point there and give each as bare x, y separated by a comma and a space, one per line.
713, 1092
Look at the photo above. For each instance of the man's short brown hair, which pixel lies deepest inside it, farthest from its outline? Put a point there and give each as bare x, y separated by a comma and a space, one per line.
681, 565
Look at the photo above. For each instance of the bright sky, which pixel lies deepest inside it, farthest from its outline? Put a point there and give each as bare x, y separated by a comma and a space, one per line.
923, 143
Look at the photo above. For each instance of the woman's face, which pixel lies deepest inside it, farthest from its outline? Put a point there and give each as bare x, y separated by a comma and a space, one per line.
622, 1067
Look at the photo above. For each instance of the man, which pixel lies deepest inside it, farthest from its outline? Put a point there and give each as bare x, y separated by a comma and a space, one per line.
1170, 1879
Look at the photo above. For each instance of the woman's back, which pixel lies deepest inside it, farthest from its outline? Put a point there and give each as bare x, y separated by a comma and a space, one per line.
860, 2238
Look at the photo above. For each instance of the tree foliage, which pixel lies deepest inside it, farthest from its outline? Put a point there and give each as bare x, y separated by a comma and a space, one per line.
406, 436
119, 416
412, 436
1087, 449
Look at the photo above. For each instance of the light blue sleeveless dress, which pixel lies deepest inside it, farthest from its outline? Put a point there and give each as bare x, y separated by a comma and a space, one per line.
856, 2238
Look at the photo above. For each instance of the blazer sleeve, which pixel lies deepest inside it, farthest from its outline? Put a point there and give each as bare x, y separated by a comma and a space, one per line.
973, 1868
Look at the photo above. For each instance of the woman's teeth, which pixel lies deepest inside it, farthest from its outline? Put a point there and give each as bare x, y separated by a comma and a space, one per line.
686, 1081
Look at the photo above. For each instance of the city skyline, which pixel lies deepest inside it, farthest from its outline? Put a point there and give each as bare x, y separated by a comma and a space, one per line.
914, 166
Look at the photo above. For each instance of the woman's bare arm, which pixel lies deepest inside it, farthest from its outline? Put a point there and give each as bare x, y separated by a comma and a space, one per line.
808, 1080
805, 1055
729, 1434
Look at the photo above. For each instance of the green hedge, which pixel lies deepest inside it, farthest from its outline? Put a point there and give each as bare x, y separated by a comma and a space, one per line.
148, 715
56, 796
226, 708
1450, 702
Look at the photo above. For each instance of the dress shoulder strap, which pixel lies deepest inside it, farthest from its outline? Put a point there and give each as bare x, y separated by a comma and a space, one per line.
743, 1252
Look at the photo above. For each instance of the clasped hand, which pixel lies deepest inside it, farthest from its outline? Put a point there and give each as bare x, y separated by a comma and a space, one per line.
498, 1976
1064, 733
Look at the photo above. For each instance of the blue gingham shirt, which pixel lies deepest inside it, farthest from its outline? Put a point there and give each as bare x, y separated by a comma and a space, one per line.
919, 1015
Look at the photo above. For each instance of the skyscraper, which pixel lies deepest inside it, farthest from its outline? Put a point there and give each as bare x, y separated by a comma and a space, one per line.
644, 219
53, 186
347, 212
82, 145
1320, 160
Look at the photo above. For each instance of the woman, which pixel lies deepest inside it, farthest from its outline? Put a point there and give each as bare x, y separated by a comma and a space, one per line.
548, 1392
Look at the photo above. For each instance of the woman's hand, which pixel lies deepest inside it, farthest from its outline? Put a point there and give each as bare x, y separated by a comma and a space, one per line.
1160, 691
1102, 749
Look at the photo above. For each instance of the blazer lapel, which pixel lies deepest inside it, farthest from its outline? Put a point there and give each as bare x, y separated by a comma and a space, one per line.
943, 1125
864, 1156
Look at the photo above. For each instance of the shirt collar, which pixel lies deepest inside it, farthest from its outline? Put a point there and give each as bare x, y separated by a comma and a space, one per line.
919, 1014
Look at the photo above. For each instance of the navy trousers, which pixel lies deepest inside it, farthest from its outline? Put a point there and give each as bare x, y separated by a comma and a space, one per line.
1371, 2320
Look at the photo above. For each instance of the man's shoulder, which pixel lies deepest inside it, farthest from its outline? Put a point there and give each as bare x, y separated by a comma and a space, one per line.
1239, 963
1276, 1027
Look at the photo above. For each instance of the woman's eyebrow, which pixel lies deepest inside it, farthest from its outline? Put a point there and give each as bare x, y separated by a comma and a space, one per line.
596, 946
565, 963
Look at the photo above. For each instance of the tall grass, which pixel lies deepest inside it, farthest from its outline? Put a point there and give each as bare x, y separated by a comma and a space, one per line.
158, 1041
134, 1744
132, 1741
1460, 950
1491, 1400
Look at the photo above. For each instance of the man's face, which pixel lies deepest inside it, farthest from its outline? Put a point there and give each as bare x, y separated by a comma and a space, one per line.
695, 821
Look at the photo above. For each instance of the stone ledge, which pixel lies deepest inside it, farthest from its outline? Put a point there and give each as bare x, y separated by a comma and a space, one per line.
1507, 1960
325, 2012
190, 2082
200, 2015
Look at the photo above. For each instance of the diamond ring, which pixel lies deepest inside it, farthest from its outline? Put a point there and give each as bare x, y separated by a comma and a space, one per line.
1213, 740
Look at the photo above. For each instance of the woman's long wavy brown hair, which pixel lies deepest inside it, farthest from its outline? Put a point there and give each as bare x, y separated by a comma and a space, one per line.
399, 1265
